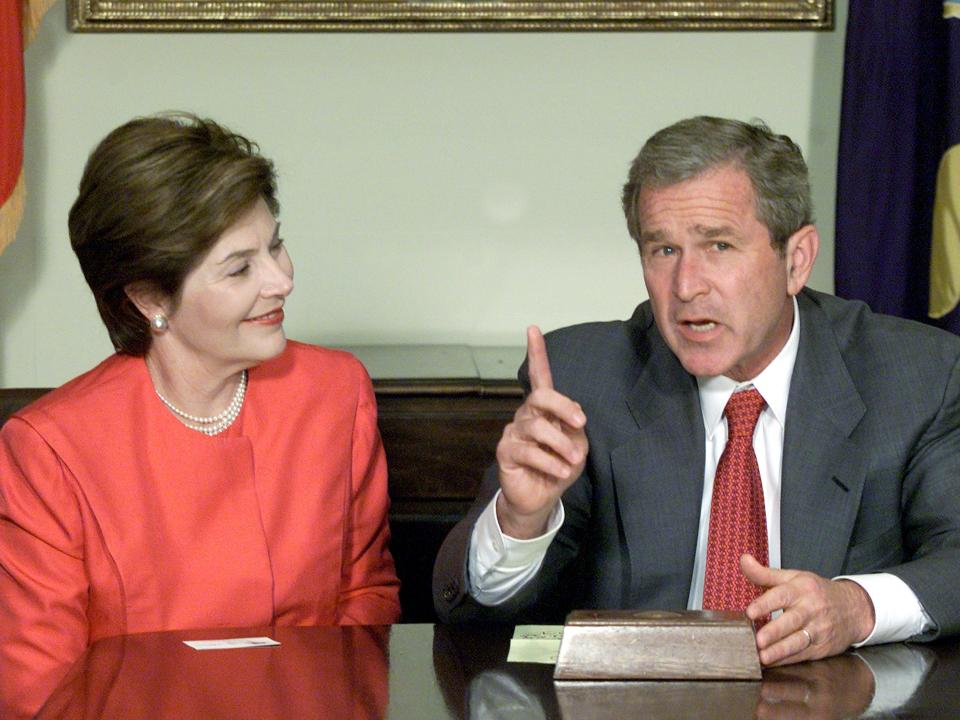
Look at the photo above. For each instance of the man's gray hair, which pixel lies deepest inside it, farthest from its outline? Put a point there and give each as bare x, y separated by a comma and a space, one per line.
686, 149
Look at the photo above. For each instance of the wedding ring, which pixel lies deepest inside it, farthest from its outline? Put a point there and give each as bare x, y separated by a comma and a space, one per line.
807, 634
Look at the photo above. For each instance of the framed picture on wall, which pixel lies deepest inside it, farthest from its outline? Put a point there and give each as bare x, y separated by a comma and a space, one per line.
444, 15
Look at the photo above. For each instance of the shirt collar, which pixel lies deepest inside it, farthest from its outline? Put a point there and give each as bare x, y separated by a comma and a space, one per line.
773, 383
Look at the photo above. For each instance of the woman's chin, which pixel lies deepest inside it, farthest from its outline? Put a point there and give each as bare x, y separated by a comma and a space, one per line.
268, 349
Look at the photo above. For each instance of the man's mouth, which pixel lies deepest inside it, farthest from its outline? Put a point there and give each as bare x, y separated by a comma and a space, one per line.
700, 326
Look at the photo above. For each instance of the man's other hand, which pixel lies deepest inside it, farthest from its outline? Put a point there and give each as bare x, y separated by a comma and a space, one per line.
820, 617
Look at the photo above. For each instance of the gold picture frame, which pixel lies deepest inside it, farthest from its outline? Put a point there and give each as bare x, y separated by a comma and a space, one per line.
443, 15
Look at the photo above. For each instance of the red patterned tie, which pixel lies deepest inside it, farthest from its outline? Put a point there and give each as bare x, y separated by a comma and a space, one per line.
738, 522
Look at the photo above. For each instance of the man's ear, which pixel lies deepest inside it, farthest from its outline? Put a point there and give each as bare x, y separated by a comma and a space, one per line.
801, 252
148, 298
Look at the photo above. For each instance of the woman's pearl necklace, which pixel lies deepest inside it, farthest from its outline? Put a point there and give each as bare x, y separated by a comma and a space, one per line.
217, 423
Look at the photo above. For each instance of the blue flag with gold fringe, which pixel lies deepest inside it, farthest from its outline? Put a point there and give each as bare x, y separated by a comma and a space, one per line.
898, 173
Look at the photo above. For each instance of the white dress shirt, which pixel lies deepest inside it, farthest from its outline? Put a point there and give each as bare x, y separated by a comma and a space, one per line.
500, 565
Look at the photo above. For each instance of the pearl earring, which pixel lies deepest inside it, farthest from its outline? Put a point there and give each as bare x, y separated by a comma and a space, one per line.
159, 322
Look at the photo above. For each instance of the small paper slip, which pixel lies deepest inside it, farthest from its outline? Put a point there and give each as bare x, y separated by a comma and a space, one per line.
231, 643
535, 643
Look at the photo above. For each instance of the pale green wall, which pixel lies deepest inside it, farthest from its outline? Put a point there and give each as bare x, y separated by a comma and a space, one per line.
436, 188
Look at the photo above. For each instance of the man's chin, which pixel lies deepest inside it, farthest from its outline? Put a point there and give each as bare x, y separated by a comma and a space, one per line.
703, 363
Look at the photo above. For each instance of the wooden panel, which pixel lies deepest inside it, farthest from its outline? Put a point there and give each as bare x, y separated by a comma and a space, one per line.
438, 447
657, 645
12, 399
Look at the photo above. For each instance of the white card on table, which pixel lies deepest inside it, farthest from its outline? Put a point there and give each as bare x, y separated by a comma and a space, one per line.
231, 643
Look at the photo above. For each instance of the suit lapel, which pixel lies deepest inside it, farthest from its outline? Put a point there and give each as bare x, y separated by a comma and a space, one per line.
823, 470
658, 476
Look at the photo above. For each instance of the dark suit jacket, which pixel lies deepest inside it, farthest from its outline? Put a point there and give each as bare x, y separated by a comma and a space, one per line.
870, 479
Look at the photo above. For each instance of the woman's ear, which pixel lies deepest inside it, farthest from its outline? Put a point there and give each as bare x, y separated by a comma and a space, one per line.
148, 298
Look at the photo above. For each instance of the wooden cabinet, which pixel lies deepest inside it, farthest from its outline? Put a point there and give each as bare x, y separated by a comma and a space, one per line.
442, 409
441, 412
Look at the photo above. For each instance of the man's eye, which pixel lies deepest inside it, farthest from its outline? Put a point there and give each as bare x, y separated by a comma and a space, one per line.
240, 271
722, 246
275, 247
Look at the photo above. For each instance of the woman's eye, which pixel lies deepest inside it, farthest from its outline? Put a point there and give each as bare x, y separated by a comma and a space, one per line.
240, 271
275, 248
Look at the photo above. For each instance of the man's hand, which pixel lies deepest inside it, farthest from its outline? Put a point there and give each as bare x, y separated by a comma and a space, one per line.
834, 613
542, 452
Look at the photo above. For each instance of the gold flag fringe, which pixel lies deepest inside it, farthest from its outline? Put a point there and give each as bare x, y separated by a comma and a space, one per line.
11, 212
33, 12
945, 246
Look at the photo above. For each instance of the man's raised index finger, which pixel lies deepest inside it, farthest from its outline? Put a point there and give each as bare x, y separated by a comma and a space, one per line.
537, 362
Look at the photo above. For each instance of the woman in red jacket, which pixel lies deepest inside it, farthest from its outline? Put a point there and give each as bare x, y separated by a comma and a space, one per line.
210, 473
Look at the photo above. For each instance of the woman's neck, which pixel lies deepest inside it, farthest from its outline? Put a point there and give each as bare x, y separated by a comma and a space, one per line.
192, 387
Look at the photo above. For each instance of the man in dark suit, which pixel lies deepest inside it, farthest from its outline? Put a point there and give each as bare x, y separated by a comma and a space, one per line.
612, 487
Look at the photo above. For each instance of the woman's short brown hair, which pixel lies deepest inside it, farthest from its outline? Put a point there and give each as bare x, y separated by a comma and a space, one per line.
155, 196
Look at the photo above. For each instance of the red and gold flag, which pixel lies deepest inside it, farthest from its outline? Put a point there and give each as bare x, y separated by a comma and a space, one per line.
19, 20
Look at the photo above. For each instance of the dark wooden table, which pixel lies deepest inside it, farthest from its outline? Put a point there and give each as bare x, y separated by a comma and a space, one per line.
434, 672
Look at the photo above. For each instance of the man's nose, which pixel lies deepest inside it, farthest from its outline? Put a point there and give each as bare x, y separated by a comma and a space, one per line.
689, 280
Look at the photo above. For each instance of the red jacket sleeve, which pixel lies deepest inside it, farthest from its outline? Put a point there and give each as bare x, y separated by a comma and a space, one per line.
43, 584
369, 585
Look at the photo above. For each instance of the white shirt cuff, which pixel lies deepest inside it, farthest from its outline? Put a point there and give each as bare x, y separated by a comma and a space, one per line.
500, 565
899, 614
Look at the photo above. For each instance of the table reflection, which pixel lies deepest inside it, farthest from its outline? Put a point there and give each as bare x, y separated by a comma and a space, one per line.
314, 673
348, 672
478, 684
836, 687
